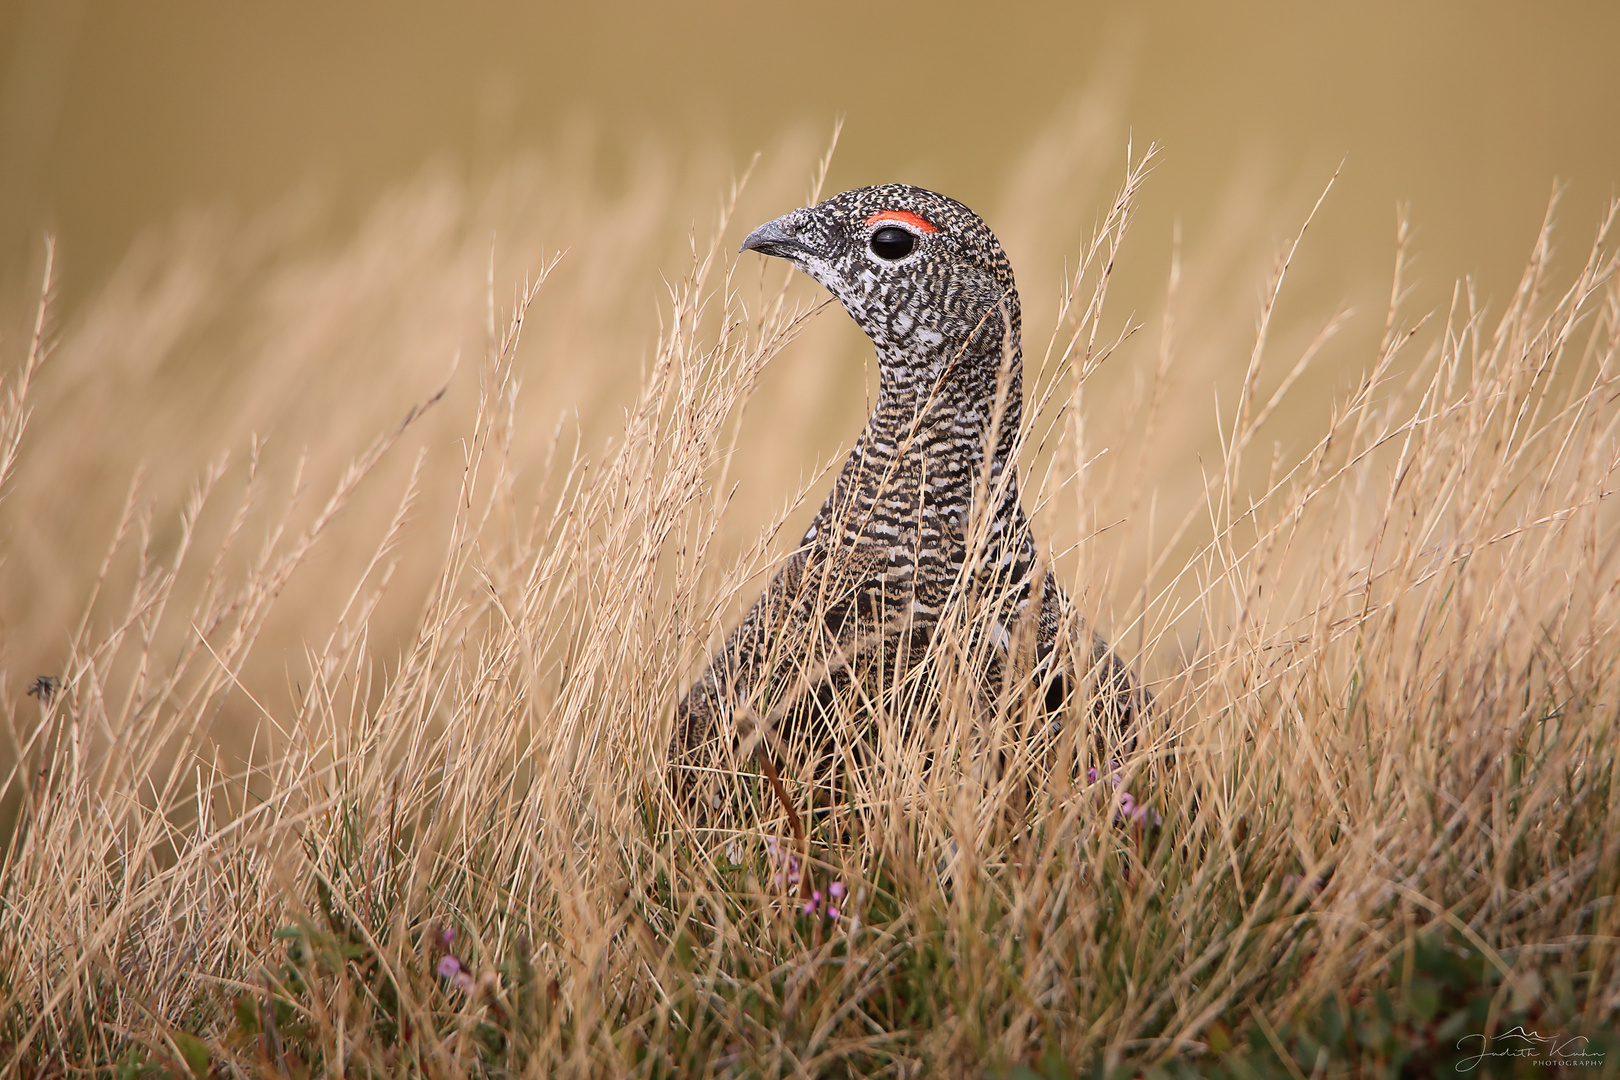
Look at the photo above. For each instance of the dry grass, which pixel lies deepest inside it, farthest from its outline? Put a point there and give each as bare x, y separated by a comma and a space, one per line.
1385, 666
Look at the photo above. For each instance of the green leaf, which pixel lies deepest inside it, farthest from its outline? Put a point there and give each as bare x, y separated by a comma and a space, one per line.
247, 1016
1053, 1065
1332, 1024
194, 1051
1424, 999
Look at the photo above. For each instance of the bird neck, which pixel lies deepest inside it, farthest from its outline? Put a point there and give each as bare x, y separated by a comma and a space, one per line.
972, 394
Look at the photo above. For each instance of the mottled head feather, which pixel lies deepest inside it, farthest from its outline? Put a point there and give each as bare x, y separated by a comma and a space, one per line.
952, 296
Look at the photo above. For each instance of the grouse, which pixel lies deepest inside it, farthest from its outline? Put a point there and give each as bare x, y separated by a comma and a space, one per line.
923, 523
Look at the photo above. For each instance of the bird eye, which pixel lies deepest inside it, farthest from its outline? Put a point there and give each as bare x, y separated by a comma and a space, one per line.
892, 242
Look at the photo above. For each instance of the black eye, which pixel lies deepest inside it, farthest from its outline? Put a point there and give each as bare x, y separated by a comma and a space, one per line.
892, 242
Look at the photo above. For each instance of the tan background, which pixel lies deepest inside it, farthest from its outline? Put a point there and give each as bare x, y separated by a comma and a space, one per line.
277, 218
116, 116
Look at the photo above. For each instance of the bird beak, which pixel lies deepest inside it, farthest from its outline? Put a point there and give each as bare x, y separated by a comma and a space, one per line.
773, 238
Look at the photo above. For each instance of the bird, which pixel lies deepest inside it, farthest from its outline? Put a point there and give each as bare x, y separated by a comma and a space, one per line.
924, 528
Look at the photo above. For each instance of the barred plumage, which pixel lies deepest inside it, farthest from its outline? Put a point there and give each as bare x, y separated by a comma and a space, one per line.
925, 512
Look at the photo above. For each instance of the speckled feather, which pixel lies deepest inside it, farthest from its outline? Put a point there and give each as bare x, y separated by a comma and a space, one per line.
925, 512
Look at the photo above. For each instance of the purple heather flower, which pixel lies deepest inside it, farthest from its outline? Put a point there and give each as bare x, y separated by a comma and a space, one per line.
828, 903
453, 972
450, 969
1130, 810
788, 869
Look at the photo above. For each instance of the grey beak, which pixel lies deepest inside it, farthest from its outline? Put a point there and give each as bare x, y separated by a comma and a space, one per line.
773, 238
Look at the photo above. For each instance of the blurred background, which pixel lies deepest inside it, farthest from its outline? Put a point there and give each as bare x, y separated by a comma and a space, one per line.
115, 118
277, 221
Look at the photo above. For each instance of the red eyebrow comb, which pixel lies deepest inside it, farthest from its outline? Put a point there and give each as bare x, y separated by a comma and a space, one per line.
905, 216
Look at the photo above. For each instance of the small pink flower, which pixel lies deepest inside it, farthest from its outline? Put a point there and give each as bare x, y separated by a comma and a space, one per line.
1130, 809
788, 869
451, 971
788, 876
828, 903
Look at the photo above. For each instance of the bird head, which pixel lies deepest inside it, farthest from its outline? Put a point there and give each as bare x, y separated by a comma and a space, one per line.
920, 273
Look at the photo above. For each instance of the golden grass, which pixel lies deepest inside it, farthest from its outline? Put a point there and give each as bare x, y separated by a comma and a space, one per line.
1384, 663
